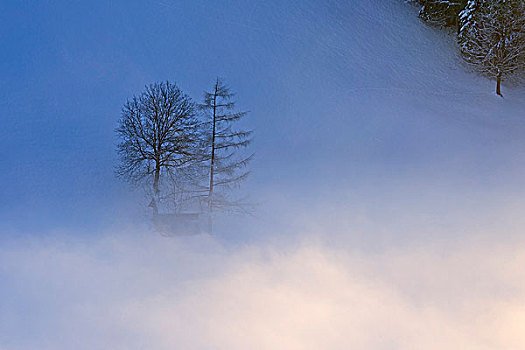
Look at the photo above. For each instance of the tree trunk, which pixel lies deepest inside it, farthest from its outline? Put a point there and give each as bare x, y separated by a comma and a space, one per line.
498, 85
156, 180
212, 162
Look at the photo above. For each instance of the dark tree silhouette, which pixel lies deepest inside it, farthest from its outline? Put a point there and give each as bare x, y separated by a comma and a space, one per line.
159, 136
441, 12
227, 164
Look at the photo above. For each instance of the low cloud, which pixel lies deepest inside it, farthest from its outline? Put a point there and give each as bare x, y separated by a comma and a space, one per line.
126, 291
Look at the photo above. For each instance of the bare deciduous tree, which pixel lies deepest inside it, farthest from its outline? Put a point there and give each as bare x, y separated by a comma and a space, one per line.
159, 136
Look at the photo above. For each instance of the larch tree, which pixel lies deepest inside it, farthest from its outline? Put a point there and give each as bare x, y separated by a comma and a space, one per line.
159, 136
491, 37
227, 160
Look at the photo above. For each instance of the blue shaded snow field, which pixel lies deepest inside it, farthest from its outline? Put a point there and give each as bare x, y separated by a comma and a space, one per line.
388, 181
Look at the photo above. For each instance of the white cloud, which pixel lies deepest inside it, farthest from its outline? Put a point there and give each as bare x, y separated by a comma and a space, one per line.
131, 292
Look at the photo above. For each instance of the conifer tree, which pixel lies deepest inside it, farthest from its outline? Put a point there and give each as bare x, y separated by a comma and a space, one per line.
441, 12
491, 37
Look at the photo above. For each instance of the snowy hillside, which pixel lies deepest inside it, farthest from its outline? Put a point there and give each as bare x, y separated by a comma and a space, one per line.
345, 93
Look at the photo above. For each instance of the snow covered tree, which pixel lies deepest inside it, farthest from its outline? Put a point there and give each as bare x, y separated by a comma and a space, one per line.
159, 136
441, 12
491, 37
226, 162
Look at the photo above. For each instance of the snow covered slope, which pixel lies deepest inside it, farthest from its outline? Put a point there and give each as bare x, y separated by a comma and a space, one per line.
346, 96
